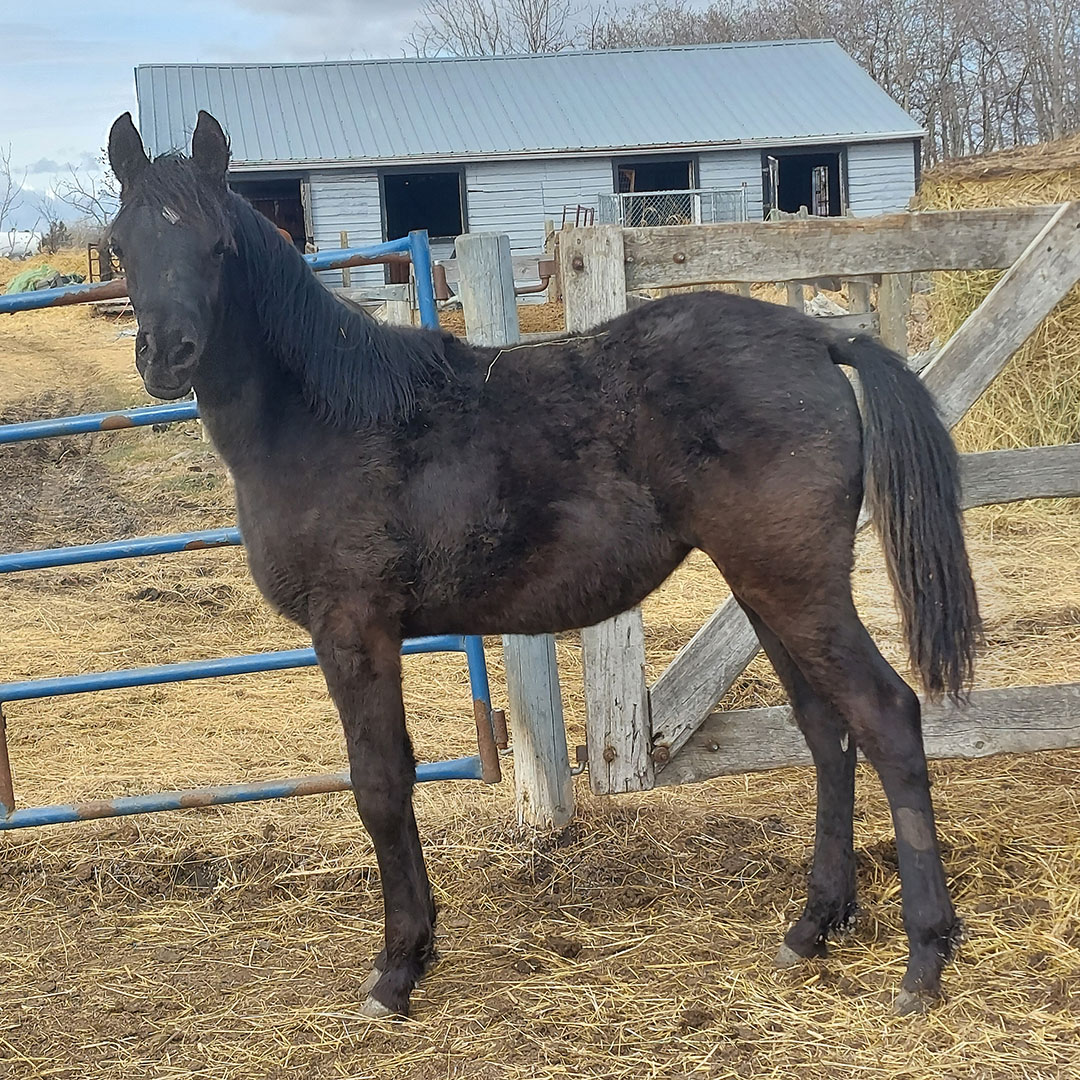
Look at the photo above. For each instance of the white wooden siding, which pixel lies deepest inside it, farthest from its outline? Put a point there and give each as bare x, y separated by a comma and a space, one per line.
514, 197
881, 177
728, 170
347, 201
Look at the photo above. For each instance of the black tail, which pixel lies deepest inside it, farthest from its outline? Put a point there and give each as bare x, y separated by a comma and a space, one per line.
913, 493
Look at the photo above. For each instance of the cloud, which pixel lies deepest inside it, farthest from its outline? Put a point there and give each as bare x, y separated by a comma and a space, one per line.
46, 165
339, 29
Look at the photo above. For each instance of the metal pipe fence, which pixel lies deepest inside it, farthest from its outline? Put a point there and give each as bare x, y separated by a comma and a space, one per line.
482, 766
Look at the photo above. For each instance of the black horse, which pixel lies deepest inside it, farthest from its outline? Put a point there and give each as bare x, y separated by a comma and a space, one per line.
394, 482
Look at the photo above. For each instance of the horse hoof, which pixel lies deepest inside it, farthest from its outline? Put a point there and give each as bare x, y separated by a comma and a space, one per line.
787, 957
375, 1009
373, 976
913, 1002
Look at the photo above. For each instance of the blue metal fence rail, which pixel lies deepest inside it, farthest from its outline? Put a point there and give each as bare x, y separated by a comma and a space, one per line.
483, 766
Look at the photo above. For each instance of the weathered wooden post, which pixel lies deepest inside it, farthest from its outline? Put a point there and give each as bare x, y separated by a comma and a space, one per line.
543, 784
346, 273
616, 698
894, 305
858, 291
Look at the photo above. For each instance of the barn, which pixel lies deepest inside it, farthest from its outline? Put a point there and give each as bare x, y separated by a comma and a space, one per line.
376, 148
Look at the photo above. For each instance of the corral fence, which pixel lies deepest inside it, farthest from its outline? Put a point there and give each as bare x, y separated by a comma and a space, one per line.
694, 206
482, 766
640, 736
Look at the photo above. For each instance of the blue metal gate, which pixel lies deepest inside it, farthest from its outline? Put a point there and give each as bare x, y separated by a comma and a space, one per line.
482, 766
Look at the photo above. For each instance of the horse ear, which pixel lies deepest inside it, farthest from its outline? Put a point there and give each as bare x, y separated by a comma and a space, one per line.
126, 154
210, 147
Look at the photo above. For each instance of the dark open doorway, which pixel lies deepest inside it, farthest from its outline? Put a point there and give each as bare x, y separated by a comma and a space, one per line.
651, 174
813, 178
278, 200
421, 200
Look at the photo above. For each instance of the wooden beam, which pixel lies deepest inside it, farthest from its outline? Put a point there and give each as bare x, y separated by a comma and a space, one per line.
544, 788
1031, 288
865, 322
894, 307
858, 290
820, 247
796, 298
1020, 720
617, 720
699, 676
543, 785
346, 273
1006, 476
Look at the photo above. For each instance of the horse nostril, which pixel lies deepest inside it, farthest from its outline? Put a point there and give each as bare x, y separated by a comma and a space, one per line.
185, 351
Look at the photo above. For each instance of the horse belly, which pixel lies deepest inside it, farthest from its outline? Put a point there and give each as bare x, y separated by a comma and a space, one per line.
590, 560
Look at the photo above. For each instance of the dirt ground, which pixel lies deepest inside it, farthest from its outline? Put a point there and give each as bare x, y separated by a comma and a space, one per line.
231, 943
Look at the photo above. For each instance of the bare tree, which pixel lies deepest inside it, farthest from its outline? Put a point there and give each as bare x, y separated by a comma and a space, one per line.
494, 27
11, 188
93, 194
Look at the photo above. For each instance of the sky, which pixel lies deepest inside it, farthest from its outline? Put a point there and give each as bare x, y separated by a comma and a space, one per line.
67, 66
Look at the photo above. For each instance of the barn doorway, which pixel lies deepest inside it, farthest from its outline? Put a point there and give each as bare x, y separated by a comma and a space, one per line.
278, 200
654, 174
655, 191
422, 200
807, 178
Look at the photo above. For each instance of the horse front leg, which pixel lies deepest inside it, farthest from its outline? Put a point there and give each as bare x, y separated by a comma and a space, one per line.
361, 661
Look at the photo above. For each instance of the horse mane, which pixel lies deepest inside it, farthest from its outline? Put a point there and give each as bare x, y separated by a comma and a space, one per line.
353, 370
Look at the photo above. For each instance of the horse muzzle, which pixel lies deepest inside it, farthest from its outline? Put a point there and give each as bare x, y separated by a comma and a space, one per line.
166, 363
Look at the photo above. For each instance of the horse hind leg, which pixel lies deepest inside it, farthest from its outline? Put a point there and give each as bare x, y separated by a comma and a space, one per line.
832, 649
831, 900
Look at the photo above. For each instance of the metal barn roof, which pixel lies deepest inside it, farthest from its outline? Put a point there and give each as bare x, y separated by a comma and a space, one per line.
449, 109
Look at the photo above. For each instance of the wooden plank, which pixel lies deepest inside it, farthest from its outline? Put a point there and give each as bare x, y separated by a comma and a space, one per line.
1005, 476
1031, 288
699, 676
487, 289
858, 291
894, 307
543, 786
1019, 720
820, 247
860, 323
617, 721
593, 278
346, 273
618, 728
796, 298
524, 267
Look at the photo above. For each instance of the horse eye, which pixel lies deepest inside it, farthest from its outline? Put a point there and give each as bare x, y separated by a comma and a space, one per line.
220, 249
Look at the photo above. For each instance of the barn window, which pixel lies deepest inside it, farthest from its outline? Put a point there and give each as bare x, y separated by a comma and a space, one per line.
813, 178
423, 200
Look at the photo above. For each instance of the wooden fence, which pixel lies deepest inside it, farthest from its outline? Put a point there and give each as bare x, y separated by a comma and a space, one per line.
641, 736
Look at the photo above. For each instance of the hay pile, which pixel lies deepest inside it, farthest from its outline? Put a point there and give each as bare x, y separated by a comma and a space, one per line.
1036, 400
231, 943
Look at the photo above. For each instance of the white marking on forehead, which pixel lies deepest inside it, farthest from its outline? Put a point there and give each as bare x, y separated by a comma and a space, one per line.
170, 215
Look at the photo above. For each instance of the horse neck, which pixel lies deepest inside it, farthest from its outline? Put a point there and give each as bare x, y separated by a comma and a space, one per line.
238, 382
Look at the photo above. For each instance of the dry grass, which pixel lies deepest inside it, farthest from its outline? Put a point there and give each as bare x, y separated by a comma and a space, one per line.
231, 943
1036, 400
